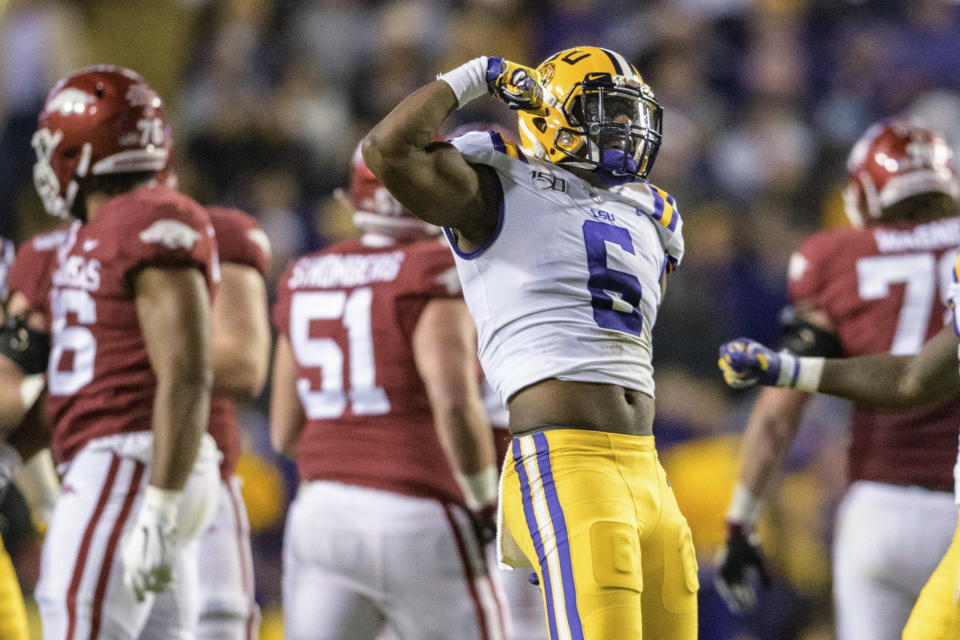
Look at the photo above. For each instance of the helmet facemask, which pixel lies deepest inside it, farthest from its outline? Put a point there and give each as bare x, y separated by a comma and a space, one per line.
616, 128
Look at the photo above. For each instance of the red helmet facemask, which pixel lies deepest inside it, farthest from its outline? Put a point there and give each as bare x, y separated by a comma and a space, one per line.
99, 121
892, 161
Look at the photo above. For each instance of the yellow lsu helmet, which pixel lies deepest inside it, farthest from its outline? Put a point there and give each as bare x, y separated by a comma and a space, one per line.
600, 115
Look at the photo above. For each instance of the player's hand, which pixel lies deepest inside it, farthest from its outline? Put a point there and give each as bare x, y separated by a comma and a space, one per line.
745, 362
739, 566
148, 548
515, 85
485, 523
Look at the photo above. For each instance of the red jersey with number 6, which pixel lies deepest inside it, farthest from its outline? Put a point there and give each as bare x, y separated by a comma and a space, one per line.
884, 288
99, 378
240, 240
350, 312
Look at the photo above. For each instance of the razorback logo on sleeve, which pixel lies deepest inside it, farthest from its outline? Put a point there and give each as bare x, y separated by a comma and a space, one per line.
172, 234
797, 266
259, 238
450, 281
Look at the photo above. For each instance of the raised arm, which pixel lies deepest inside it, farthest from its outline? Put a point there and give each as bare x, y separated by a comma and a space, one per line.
444, 347
432, 179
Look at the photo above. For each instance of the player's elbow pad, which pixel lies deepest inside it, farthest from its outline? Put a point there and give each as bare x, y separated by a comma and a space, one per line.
802, 338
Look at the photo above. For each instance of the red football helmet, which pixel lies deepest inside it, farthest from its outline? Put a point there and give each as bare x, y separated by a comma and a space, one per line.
100, 120
375, 210
893, 160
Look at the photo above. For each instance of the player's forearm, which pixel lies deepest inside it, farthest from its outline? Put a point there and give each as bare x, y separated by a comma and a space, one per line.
239, 370
466, 437
882, 381
181, 411
410, 128
769, 435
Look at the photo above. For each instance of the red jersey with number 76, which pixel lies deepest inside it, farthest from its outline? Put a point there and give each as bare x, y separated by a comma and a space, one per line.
99, 377
350, 312
884, 288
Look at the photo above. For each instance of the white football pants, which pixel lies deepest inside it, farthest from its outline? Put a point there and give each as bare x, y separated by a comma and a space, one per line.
81, 592
357, 560
889, 539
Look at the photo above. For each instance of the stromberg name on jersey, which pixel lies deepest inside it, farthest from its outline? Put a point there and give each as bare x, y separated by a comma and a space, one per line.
78, 272
337, 270
933, 235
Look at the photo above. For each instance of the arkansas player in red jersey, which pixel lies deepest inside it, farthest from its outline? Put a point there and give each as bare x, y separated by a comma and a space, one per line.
241, 358
373, 379
127, 302
874, 289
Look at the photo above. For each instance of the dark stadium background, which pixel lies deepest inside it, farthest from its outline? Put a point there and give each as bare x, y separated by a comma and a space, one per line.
762, 99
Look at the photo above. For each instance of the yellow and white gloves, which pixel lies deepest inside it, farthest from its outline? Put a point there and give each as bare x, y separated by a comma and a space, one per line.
148, 548
513, 84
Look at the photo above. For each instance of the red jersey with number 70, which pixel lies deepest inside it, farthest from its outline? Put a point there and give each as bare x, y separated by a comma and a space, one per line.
884, 289
99, 378
350, 312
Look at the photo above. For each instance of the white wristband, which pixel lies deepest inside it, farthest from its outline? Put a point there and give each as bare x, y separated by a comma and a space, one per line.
745, 508
480, 488
800, 373
468, 81
30, 389
163, 503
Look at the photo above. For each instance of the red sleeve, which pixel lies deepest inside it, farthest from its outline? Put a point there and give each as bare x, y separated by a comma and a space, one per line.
805, 277
429, 273
281, 308
30, 273
163, 234
240, 240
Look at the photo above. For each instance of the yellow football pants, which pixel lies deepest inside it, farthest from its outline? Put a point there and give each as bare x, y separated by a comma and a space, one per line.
596, 518
936, 615
13, 613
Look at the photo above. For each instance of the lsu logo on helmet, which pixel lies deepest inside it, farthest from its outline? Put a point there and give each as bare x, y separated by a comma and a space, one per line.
602, 116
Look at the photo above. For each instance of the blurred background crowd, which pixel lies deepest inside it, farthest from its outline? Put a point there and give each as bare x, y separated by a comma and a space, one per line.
762, 99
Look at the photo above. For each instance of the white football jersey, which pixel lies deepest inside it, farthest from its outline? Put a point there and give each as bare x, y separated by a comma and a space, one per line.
569, 285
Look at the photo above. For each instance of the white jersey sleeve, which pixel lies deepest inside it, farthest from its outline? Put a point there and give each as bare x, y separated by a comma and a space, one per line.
569, 285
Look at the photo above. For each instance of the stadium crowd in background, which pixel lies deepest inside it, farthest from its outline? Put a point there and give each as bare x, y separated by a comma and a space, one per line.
762, 100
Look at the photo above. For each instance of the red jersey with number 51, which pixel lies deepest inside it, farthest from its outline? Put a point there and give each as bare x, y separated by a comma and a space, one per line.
884, 288
99, 377
350, 312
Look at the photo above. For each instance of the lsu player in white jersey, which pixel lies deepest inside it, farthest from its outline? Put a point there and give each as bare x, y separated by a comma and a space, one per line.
563, 247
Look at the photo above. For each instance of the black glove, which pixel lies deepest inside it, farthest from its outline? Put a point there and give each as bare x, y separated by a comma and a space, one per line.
738, 564
485, 523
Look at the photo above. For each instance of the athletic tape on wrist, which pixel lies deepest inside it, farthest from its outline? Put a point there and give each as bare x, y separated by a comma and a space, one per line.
480, 488
809, 372
30, 389
802, 373
162, 502
745, 508
468, 81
